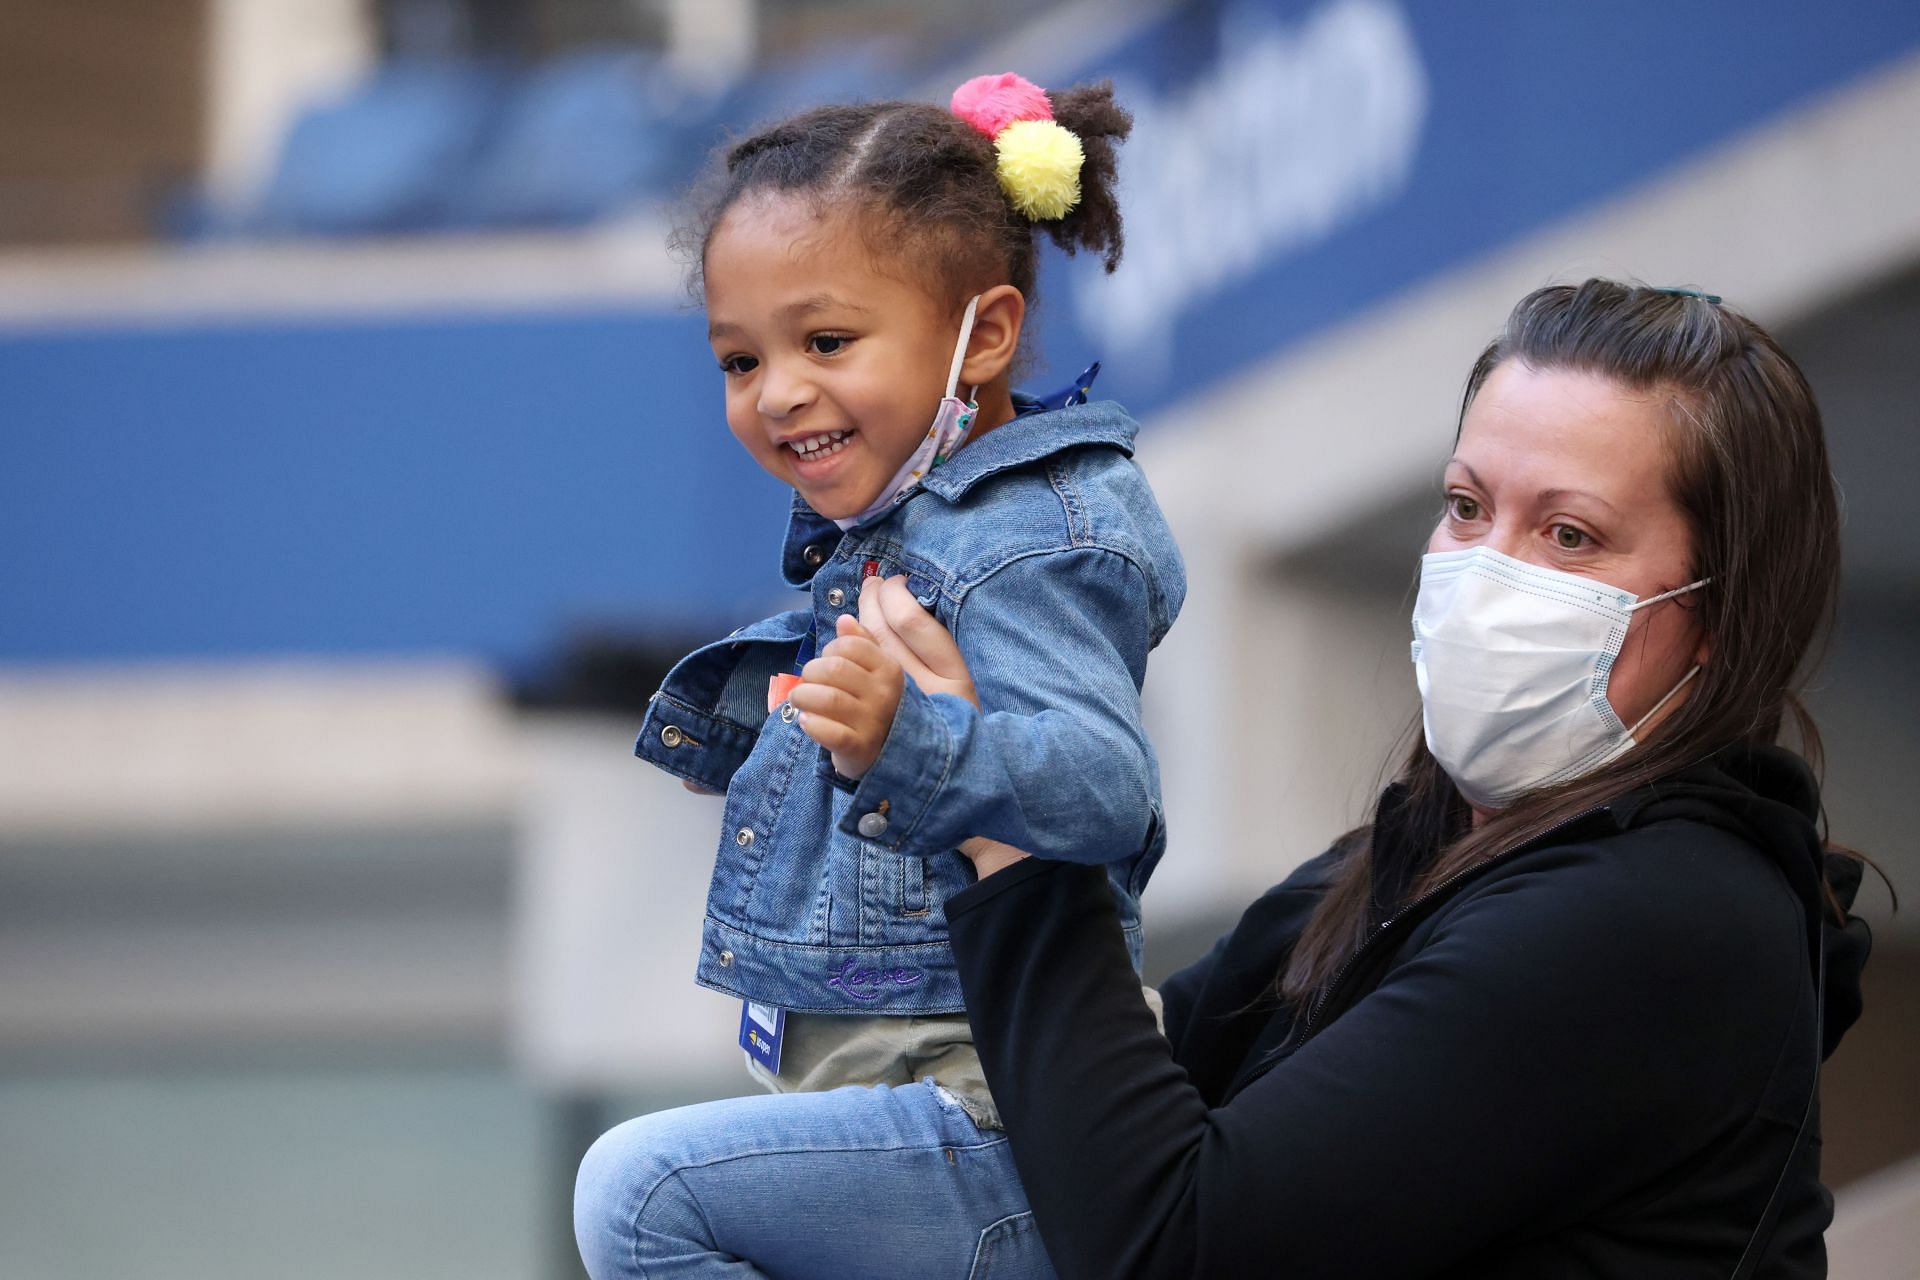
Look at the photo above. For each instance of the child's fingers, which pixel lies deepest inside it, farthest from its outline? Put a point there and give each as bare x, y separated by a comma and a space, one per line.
865, 708
861, 651
871, 618
828, 732
874, 620
847, 625
833, 669
921, 632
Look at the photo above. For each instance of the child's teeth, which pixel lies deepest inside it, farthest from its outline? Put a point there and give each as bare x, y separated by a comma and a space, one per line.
824, 443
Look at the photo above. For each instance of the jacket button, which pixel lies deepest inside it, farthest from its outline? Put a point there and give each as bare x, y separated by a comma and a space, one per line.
836, 597
788, 711
872, 825
743, 837
813, 556
671, 736
726, 958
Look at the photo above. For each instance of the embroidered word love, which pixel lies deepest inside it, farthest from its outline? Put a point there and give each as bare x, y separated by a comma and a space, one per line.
864, 984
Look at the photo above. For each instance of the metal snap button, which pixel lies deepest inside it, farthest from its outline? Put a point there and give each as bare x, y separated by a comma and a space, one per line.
726, 958
744, 836
836, 597
813, 556
671, 736
872, 825
788, 712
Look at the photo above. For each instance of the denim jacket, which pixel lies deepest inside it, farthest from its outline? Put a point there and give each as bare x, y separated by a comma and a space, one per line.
1041, 548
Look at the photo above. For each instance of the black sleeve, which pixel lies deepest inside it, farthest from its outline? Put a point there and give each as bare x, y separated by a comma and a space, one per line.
1241, 970
1540, 1055
1181, 990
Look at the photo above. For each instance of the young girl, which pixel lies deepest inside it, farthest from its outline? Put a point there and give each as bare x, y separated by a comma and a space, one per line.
861, 264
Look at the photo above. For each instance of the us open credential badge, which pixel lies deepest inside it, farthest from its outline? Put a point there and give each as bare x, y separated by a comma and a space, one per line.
762, 1028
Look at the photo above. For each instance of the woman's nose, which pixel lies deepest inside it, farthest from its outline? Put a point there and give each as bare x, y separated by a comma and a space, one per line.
1509, 538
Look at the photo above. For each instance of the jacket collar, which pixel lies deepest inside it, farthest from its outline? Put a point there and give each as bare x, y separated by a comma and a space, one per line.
1033, 435
1030, 437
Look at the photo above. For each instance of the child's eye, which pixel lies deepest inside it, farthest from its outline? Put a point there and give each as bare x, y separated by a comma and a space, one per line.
827, 344
1463, 508
1568, 538
737, 365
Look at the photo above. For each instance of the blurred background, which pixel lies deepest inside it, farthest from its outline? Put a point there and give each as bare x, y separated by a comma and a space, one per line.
362, 465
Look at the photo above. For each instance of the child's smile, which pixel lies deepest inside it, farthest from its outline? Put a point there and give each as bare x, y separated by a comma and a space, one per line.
834, 369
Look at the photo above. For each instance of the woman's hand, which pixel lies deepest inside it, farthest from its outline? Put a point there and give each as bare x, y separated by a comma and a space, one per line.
925, 650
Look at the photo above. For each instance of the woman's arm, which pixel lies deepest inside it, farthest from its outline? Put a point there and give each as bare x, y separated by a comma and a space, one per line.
1551, 1046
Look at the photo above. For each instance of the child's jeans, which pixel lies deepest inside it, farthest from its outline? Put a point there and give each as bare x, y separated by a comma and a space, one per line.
881, 1182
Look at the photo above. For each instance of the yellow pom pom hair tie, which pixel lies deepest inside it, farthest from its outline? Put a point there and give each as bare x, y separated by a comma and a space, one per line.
1036, 159
1039, 167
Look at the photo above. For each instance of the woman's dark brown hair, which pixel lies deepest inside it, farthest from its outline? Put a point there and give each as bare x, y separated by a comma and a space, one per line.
923, 186
1747, 466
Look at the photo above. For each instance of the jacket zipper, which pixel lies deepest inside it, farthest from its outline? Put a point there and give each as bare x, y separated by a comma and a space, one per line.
1327, 994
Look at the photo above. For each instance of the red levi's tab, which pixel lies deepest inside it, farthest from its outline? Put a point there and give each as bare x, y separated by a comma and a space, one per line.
778, 687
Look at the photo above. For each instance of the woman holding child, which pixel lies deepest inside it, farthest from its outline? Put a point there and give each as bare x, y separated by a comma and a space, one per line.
1556, 1009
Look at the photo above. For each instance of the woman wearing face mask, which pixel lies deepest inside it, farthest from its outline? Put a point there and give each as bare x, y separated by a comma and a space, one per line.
1558, 1008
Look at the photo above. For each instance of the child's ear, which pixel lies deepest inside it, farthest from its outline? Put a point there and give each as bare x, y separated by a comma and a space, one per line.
997, 318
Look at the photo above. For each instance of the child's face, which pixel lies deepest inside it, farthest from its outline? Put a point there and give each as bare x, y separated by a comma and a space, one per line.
819, 348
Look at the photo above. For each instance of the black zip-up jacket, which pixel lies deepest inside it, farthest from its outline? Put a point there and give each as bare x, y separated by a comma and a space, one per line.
1589, 1057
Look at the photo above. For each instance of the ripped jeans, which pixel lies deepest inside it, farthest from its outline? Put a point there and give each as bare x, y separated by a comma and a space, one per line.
854, 1184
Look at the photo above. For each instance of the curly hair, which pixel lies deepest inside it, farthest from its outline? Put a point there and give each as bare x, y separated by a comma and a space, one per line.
922, 184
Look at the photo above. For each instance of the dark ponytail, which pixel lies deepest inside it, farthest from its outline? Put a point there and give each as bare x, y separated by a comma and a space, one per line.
1089, 112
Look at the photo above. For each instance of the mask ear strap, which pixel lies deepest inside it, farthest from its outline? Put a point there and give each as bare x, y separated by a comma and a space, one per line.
1666, 595
960, 350
1663, 702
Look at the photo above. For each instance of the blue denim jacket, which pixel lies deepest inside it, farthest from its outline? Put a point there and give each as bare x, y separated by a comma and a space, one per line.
1041, 548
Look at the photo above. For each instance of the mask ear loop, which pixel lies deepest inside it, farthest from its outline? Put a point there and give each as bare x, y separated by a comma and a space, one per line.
1667, 595
960, 352
1638, 604
1663, 702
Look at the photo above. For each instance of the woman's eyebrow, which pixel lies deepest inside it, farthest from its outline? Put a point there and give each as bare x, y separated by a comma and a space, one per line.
1548, 495
1545, 495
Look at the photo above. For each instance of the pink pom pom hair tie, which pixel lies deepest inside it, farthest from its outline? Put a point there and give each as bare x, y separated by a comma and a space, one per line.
991, 103
1036, 160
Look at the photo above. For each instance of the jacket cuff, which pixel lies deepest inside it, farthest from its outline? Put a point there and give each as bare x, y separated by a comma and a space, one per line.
892, 800
691, 744
823, 768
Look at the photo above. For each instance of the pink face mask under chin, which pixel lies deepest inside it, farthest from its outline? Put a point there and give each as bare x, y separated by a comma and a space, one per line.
950, 426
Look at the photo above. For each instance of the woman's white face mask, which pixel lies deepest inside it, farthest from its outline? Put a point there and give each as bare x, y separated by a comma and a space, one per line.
1513, 662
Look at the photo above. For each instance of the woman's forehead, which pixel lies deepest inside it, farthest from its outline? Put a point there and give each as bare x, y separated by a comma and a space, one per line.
1562, 428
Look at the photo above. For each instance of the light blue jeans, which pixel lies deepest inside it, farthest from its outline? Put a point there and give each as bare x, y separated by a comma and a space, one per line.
859, 1182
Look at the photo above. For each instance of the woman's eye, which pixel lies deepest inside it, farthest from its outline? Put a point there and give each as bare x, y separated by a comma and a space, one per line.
739, 364
1462, 508
1569, 538
826, 344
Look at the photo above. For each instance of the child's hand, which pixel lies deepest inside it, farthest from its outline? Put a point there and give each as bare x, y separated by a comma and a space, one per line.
914, 638
848, 696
